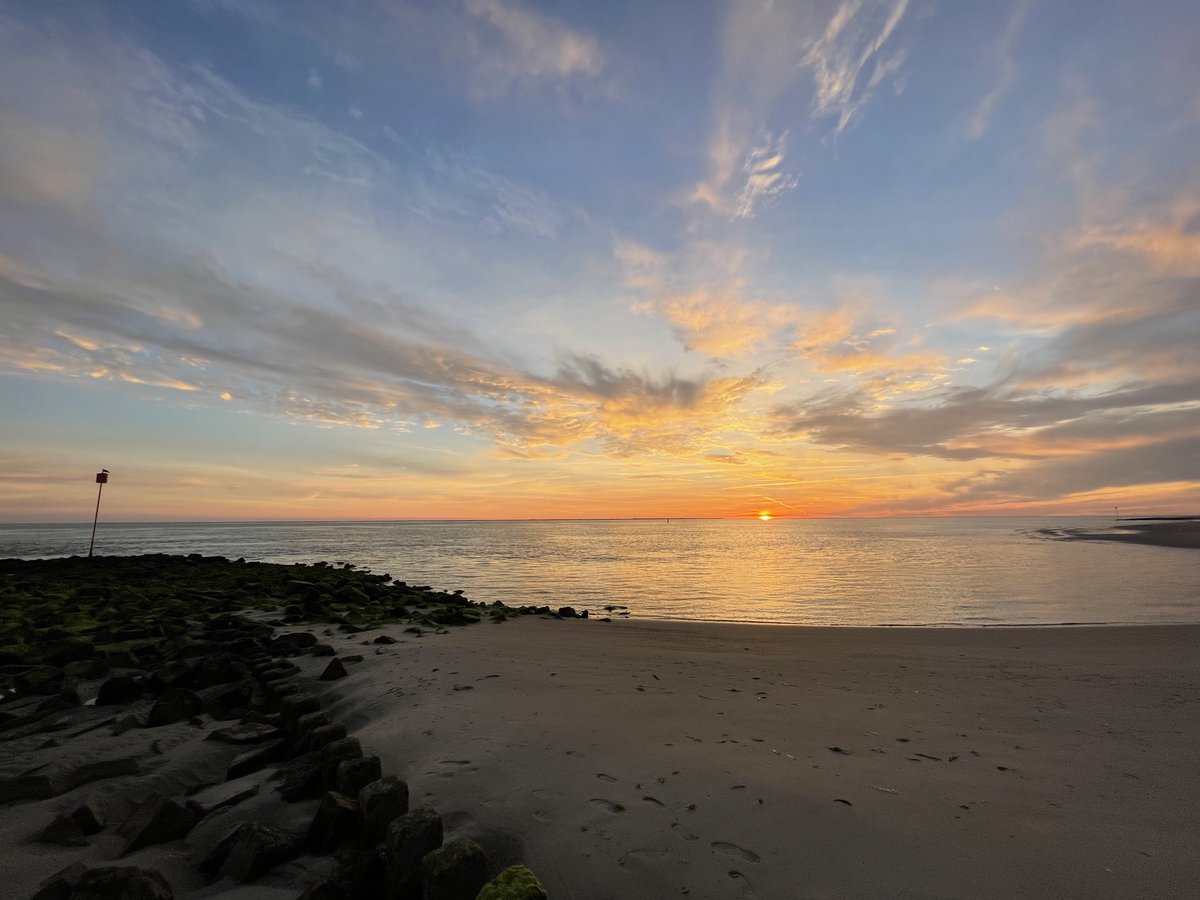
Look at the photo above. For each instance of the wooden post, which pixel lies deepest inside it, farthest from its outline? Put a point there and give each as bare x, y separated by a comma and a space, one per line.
101, 479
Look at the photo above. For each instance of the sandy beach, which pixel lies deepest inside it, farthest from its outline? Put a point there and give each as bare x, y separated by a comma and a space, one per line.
617, 759
647, 760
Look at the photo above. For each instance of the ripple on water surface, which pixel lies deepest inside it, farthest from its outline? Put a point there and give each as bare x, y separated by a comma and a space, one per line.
802, 571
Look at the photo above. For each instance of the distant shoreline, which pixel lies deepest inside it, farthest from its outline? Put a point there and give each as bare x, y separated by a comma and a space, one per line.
1180, 532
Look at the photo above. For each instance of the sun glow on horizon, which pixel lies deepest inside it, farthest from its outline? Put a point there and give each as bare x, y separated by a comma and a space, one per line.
765, 516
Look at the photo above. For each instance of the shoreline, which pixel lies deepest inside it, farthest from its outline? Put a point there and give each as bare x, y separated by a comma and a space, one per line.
1181, 533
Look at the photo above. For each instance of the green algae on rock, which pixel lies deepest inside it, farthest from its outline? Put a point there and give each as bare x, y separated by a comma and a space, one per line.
77, 617
514, 883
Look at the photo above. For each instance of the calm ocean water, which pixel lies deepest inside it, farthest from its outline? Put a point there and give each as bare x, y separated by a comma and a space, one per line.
967, 571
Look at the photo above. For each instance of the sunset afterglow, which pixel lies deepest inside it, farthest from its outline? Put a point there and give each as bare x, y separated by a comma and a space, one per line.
505, 259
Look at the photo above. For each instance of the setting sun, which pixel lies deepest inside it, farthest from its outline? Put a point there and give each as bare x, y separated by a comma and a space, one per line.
765, 516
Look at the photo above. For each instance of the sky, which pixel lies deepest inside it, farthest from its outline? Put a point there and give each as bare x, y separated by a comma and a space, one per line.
475, 259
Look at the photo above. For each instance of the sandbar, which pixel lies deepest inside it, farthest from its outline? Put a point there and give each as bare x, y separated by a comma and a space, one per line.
1182, 532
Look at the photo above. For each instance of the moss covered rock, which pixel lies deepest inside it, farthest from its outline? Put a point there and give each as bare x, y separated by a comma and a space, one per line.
455, 871
514, 883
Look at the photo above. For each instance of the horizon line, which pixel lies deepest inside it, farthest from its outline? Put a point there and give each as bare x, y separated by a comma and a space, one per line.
773, 518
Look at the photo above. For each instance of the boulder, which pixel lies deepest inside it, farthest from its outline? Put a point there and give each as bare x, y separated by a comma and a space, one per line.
363, 874
300, 778
221, 796
120, 767
126, 722
252, 850
278, 689
351, 595
220, 700
224, 668
335, 823
309, 721
566, 612
293, 644
59, 885
106, 883
175, 674
175, 705
119, 689
156, 820
244, 733
334, 753
514, 883
293, 706
322, 650
326, 889
409, 839
26, 787
64, 831
277, 673
333, 671
456, 871
385, 639
321, 737
352, 775
379, 803
259, 757
89, 815
258, 851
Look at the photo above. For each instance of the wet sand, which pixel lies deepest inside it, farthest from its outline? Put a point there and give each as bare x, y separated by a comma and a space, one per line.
649, 760
1183, 533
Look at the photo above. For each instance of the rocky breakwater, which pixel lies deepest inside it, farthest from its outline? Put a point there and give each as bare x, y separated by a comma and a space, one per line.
162, 731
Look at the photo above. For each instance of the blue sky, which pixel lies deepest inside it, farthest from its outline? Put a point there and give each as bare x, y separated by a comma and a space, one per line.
488, 258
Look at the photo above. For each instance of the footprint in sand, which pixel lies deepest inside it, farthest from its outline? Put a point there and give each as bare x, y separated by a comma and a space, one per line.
744, 886
456, 765
608, 804
653, 800
735, 850
607, 778
683, 832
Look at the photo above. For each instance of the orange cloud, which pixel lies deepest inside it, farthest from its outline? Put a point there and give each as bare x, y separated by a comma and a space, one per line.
1167, 245
721, 323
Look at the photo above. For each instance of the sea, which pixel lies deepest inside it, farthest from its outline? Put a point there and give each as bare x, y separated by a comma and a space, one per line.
902, 571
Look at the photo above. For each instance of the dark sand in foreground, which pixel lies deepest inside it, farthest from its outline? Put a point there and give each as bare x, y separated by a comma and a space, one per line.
655, 760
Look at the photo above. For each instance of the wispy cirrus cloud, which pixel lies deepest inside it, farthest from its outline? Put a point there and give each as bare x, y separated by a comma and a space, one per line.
509, 43
1006, 72
765, 48
763, 177
851, 47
